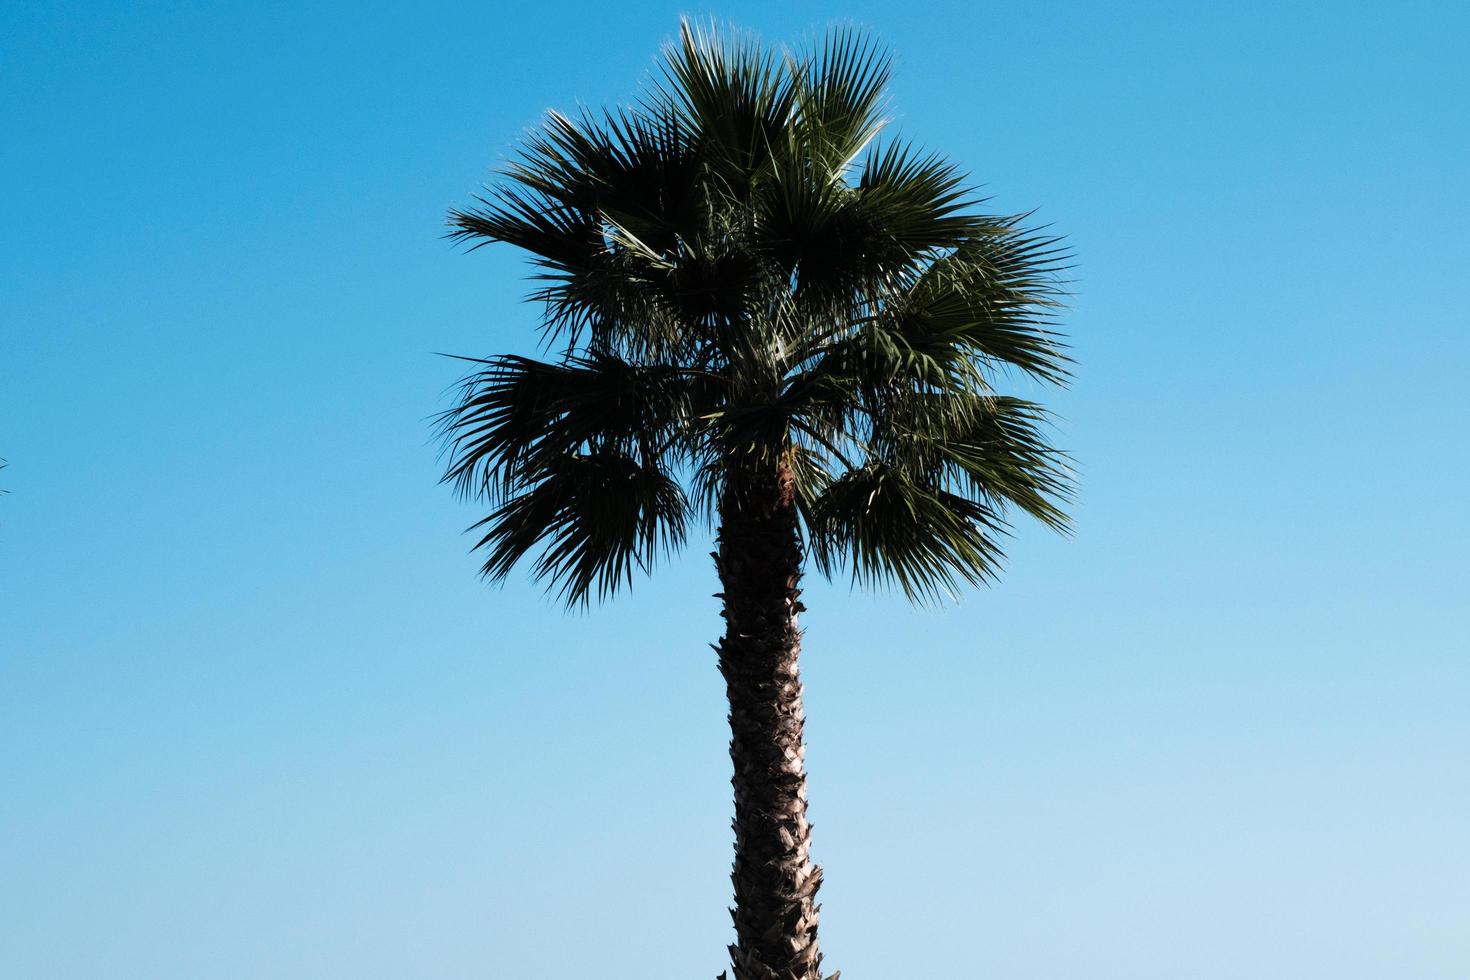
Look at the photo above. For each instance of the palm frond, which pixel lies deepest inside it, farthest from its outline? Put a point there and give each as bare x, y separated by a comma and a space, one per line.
888, 526
734, 95
998, 294
517, 416
840, 100
922, 200
991, 447
594, 516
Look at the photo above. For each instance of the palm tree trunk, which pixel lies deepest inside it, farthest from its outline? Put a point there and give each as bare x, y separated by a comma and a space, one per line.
759, 561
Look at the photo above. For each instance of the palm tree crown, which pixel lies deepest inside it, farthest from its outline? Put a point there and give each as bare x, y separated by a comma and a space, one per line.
738, 275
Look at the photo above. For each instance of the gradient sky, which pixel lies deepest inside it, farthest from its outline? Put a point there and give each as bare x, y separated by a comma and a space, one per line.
260, 720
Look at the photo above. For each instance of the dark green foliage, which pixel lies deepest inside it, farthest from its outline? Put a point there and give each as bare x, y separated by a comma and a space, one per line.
736, 274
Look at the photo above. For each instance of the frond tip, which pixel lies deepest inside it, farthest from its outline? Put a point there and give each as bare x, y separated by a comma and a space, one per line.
888, 527
597, 517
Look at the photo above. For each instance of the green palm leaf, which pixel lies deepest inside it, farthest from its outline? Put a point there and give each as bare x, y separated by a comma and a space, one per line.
597, 515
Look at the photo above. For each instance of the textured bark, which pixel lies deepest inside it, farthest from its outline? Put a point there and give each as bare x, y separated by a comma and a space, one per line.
759, 561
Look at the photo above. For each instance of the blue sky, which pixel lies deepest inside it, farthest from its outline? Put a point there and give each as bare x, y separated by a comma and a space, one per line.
261, 720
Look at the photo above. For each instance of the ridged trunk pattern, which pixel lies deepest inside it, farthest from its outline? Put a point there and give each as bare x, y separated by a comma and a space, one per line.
759, 561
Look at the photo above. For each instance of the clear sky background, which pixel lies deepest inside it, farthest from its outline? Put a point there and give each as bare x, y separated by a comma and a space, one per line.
258, 718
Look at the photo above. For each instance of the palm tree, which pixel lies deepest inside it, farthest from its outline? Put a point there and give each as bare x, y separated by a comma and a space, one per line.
767, 319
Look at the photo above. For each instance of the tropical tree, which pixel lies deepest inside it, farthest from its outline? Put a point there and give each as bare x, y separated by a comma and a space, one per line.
766, 318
